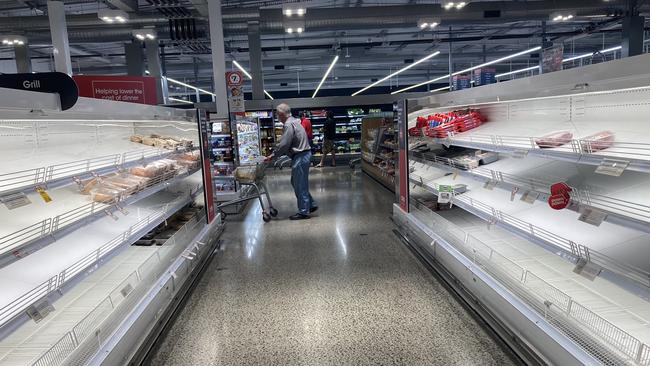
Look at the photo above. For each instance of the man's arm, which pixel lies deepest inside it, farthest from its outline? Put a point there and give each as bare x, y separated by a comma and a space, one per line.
284, 145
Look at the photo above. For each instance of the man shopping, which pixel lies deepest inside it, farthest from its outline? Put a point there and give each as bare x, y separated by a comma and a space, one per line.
295, 144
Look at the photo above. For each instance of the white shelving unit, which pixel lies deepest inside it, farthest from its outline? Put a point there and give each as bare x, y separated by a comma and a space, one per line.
590, 282
61, 253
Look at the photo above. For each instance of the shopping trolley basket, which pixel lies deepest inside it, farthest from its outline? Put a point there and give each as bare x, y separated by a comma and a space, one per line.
252, 176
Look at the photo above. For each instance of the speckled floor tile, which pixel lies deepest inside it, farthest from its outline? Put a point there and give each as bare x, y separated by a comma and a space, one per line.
338, 289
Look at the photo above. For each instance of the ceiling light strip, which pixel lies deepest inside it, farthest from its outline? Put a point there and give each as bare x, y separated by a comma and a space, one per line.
180, 100
241, 68
607, 50
472, 68
190, 86
329, 69
613, 49
517, 71
397, 72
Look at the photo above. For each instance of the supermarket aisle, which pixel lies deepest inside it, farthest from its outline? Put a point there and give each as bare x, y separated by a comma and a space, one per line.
336, 289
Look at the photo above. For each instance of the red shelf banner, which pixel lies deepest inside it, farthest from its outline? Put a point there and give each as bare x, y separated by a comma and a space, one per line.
132, 89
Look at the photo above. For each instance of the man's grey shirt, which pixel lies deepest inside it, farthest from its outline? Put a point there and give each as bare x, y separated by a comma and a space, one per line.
294, 139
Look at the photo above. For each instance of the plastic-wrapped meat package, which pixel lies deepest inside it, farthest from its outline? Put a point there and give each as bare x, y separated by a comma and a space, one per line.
169, 164
190, 156
598, 141
136, 138
130, 183
148, 171
106, 193
554, 139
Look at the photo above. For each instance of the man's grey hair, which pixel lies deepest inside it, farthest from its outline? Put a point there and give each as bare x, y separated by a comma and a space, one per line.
284, 109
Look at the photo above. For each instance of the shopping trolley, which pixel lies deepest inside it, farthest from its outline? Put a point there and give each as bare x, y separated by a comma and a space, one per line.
281, 162
252, 176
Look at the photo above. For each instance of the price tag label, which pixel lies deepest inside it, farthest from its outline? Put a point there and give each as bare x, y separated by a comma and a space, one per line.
513, 193
612, 167
592, 216
529, 197
519, 154
15, 200
490, 184
44, 195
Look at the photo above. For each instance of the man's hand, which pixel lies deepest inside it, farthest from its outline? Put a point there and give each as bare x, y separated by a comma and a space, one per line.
268, 158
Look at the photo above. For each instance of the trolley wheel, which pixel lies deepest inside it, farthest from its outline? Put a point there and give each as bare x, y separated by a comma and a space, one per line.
266, 217
273, 212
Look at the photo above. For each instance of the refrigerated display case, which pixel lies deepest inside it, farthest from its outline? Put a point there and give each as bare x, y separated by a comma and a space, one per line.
267, 135
379, 148
103, 207
222, 154
248, 141
531, 198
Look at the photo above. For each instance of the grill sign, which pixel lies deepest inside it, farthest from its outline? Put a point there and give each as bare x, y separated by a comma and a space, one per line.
46, 82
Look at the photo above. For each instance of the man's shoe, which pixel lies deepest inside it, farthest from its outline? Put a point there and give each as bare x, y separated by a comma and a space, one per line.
299, 216
313, 209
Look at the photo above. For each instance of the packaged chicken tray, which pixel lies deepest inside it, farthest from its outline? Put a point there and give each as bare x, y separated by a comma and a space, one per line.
598, 141
554, 139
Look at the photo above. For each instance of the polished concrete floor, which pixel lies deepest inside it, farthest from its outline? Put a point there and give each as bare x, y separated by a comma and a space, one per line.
338, 289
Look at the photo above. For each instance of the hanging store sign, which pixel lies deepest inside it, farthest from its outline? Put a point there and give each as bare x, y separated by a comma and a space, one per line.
235, 85
131, 89
46, 82
552, 59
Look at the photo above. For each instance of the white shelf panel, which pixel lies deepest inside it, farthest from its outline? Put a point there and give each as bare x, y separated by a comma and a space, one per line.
64, 199
622, 244
28, 341
23, 276
623, 198
622, 308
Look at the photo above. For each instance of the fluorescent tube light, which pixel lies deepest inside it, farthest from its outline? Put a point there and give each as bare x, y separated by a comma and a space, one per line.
397, 72
242, 69
440, 89
329, 69
190, 86
471, 68
180, 100
591, 54
517, 71
268, 95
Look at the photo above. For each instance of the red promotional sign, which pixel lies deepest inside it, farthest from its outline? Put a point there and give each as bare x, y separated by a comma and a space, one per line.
559, 198
132, 89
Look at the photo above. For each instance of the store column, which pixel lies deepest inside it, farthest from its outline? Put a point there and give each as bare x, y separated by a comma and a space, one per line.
23, 59
218, 57
255, 57
59, 32
134, 59
155, 70
633, 31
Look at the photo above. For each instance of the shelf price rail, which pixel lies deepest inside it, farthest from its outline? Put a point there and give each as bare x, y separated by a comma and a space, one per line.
79, 345
634, 155
577, 251
30, 178
625, 213
554, 305
56, 282
49, 226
